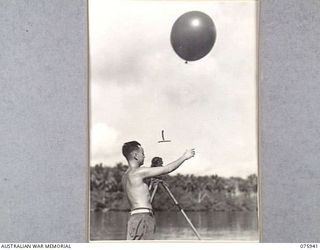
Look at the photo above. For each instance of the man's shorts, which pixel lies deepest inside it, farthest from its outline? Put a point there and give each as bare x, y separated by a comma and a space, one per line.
141, 226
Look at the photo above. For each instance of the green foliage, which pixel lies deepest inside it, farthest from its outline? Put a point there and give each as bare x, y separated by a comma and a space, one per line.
198, 193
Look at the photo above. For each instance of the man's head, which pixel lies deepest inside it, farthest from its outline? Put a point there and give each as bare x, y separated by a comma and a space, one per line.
133, 152
156, 162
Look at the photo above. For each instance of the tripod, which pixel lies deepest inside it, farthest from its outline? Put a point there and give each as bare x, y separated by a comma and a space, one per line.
155, 184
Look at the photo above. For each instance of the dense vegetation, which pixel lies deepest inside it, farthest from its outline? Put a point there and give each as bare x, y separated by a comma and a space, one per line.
205, 193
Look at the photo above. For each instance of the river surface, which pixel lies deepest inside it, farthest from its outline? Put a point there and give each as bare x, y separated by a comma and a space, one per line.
213, 226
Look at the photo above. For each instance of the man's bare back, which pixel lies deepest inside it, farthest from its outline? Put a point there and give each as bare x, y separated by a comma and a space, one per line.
137, 191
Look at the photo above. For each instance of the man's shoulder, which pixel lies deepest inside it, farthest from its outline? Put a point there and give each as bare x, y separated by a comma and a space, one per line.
134, 171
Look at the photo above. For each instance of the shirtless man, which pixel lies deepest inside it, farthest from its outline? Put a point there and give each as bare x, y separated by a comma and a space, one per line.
141, 224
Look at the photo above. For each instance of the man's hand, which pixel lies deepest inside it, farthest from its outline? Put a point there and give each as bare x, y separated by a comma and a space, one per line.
189, 154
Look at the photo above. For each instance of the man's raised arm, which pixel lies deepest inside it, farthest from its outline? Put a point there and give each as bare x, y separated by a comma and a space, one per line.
145, 172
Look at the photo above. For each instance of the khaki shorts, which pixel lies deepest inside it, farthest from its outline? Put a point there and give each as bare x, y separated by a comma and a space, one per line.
141, 226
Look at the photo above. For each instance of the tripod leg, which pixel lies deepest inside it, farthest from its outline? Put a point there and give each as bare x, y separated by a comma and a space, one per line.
152, 183
154, 192
182, 211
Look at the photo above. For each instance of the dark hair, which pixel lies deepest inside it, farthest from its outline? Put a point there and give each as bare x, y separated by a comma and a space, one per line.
156, 162
129, 147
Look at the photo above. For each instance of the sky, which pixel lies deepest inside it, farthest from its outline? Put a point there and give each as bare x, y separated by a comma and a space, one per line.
140, 86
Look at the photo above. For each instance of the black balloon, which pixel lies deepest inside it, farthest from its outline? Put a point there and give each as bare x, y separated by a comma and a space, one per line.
193, 35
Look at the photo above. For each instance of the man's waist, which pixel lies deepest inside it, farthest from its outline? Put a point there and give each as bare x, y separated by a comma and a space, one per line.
141, 210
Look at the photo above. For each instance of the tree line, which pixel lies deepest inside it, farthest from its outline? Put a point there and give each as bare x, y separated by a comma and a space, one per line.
196, 193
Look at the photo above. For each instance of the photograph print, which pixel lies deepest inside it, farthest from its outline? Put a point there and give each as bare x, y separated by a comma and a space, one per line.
173, 120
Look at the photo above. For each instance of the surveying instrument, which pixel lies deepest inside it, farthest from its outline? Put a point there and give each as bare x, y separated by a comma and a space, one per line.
154, 184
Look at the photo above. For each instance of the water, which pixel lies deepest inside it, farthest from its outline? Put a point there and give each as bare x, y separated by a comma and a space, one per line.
214, 226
